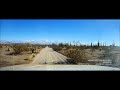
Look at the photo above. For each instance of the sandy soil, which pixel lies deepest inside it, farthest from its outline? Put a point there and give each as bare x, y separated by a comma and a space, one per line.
48, 55
7, 60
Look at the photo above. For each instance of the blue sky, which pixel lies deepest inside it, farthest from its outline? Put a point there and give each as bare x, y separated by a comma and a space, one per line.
61, 30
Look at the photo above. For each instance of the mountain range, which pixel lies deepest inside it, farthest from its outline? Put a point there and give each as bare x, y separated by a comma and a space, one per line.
27, 41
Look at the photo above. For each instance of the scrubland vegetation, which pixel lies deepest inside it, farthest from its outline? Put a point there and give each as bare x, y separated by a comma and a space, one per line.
15, 54
76, 53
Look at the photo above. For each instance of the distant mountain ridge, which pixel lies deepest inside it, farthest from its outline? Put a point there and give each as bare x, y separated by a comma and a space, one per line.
27, 41
42, 42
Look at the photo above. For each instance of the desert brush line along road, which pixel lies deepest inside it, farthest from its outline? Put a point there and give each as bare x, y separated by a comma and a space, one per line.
47, 57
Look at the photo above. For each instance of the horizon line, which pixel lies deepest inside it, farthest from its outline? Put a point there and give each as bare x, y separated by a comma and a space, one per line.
73, 42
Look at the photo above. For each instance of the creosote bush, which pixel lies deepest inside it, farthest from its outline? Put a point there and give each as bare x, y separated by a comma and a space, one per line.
20, 48
57, 48
78, 56
0, 46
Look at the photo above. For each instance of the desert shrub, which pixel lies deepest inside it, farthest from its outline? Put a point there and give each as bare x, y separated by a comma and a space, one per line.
57, 48
71, 61
82, 47
32, 50
20, 48
17, 49
0, 46
100, 49
95, 47
25, 47
106, 53
77, 56
8, 49
92, 50
68, 47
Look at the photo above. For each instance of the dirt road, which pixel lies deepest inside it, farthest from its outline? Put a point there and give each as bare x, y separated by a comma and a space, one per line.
48, 55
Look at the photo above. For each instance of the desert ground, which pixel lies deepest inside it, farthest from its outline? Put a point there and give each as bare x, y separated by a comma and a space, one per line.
8, 59
64, 58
